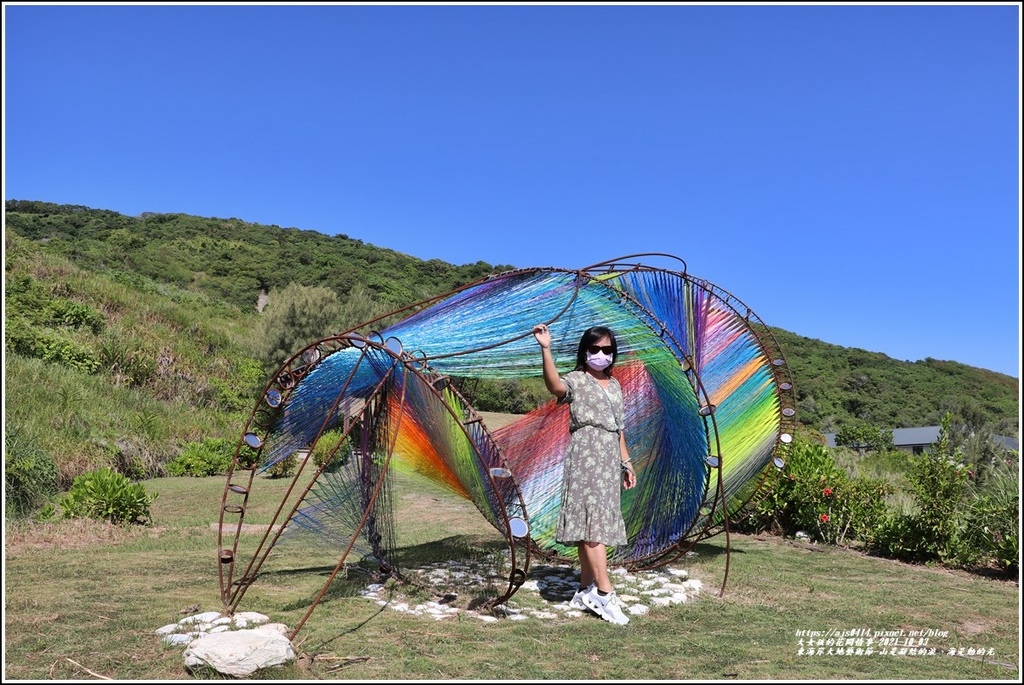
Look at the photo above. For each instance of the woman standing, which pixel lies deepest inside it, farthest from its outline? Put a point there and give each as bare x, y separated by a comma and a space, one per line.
597, 465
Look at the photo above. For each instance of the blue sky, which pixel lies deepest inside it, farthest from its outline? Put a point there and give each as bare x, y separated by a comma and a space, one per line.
850, 173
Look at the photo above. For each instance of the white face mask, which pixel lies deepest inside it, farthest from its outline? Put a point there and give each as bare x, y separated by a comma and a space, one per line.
599, 361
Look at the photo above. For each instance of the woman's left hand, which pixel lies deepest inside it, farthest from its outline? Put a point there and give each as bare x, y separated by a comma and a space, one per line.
628, 479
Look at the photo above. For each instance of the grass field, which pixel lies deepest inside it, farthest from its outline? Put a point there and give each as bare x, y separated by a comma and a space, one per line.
84, 599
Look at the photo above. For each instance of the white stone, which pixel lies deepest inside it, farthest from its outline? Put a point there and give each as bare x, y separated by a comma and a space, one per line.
171, 628
516, 617
529, 585
245, 619
279, 628
679, 572
180, 638
239, 653
219, 629
628, 598
661, 601
544, 615
204, 617
678, 598
639, 609
486, 618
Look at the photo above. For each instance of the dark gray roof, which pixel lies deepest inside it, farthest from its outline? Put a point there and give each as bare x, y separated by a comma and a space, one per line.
1008, 443
922, 435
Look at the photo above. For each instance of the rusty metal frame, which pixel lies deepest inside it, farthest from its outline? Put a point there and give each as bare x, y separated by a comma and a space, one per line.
233, 590
280, 386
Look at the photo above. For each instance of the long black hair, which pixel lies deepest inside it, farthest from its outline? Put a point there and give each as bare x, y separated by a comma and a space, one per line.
590, 337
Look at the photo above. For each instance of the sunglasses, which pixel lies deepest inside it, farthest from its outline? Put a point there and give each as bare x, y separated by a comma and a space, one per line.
594, 349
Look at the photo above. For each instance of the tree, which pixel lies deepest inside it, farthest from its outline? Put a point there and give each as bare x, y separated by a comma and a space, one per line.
863, 436
361, 305
294, 317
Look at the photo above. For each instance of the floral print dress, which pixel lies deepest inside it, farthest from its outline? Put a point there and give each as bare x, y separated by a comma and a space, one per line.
592, 480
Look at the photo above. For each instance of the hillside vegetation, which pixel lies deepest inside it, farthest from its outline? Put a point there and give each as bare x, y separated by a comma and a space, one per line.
127, 338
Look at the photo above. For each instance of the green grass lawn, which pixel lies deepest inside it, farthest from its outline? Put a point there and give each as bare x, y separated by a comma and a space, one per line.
84, 599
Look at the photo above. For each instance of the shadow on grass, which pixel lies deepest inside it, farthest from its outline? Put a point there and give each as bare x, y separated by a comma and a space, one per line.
353, 578
402, 580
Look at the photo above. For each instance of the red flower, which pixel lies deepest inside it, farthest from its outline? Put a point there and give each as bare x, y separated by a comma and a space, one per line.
824, 518
827, 492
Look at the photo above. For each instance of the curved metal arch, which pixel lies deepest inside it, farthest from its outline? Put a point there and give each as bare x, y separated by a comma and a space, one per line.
279, 389
232, 591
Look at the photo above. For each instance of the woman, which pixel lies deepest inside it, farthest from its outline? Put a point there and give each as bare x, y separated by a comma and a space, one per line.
597, 465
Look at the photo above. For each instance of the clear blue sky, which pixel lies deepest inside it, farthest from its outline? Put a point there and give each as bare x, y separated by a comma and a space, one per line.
851, 173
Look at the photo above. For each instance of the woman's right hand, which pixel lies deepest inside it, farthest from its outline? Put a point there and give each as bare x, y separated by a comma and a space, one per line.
543, 335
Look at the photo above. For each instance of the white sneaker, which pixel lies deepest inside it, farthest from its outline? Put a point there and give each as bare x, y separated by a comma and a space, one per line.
577, 599
606, 607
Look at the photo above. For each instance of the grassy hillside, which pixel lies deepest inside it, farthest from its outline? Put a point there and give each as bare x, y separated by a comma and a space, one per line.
836, 385
158, 366
128, 337
230, 259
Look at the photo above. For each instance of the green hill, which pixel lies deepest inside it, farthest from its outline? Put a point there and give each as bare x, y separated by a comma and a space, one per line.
128, 337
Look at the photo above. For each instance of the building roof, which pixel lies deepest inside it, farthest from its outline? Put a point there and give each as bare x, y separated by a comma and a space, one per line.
923, 435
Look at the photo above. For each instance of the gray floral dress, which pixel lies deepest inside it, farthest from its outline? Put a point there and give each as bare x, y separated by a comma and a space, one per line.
591, 482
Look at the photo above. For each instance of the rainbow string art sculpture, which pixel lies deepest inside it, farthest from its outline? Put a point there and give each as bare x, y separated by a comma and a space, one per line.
709, 410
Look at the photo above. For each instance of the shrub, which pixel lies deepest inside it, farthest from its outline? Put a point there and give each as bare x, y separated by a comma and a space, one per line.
30, 475
210, 457
938, 482
779, 511
814, 495
54, 348
106, 494
284, 467
20, 337
76, 315
988, 530
324, 449
843, 508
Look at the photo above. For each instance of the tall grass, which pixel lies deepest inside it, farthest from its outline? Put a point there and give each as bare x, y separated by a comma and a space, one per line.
82, 421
